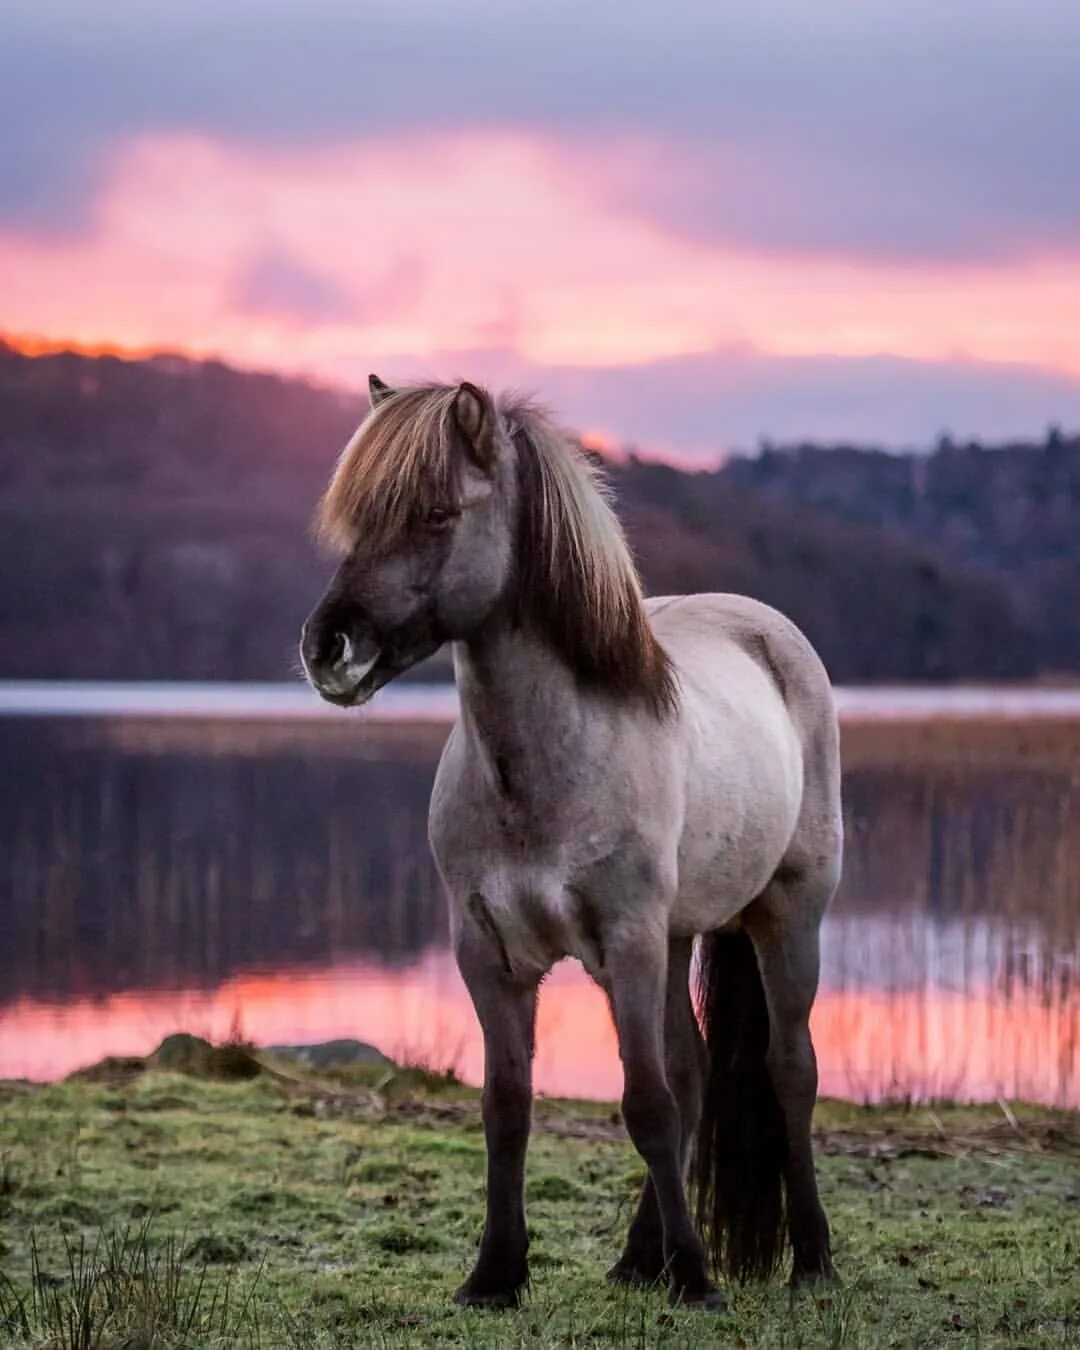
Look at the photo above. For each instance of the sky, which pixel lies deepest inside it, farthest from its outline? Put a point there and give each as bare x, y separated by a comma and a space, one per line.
686, 227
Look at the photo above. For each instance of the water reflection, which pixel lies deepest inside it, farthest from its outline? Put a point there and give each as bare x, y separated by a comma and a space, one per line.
920, 1042
199, 874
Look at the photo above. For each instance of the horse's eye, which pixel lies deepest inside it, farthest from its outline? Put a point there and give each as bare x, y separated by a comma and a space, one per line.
439, 517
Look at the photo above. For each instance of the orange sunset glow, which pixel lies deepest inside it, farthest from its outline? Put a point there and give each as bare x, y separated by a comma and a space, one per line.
870, 1046
170, 256
33, 345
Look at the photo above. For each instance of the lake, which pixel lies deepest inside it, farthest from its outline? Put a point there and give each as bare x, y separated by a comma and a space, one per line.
231, 858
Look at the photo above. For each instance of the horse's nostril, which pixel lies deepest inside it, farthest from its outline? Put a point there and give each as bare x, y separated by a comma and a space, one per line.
340, 650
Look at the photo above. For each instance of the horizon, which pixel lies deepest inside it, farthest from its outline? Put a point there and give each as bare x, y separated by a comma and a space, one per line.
34, 347
686, 232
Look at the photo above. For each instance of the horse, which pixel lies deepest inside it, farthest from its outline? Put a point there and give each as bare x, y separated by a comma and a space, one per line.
626, 776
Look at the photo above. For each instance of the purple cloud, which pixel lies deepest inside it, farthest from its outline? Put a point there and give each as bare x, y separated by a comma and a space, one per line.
707, 405
278, 283
902, 131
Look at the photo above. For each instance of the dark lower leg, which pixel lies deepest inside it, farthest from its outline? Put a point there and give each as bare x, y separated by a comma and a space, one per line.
507, 1012
807, 1224
642, 1259
652, 1121
788, 957
502, 1268
652, 1118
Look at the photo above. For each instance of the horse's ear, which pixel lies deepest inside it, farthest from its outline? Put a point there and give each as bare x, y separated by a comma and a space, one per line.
475, 419
377, 390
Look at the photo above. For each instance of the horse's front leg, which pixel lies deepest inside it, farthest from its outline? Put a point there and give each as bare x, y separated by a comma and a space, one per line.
506, 1007
685, 1060
636, 973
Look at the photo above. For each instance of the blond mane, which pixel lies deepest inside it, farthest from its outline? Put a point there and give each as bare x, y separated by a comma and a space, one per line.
575, 580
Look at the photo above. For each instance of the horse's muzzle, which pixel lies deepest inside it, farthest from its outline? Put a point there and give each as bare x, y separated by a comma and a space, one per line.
339, 668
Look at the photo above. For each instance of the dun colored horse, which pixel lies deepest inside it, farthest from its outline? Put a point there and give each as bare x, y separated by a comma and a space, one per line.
626, 775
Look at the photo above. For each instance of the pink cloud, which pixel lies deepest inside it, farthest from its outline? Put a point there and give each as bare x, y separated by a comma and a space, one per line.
407, 248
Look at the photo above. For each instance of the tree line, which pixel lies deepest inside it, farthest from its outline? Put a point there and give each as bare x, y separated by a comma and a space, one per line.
154, 523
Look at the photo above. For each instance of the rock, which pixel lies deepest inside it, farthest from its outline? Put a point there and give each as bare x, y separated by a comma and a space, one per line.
183, 1053
331, 1054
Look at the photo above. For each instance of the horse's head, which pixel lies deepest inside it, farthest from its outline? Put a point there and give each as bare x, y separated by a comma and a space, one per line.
421, 508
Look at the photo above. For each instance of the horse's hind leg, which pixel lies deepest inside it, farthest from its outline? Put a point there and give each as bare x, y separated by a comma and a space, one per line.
642, 1260
783, 923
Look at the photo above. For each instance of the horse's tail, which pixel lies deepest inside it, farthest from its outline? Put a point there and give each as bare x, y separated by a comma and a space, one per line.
742, 1141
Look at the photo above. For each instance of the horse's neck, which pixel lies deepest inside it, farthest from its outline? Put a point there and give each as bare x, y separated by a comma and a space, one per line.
521, 707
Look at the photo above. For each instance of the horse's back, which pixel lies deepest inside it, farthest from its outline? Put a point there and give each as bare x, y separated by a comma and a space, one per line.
694, 629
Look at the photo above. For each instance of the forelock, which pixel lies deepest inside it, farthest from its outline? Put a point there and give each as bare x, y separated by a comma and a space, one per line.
399, 463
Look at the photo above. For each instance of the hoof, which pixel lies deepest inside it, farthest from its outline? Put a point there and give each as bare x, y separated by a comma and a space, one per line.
709, 1299
626, 1272
480, 1294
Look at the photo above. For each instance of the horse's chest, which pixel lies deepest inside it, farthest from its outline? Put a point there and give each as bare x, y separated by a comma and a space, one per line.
543, 925
516, 886
527, 871
529, 920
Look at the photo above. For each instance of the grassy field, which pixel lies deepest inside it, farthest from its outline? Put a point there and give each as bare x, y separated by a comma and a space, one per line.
145, 1209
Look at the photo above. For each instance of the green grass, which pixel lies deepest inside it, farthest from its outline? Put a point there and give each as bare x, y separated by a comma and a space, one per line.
168, 1211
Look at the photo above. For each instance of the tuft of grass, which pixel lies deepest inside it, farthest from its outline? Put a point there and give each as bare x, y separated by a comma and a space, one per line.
121, 1288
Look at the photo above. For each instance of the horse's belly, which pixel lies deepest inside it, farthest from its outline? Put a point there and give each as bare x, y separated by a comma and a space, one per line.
737, 829
717, 884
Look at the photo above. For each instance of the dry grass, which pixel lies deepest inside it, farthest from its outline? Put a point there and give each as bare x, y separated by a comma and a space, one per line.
957, 744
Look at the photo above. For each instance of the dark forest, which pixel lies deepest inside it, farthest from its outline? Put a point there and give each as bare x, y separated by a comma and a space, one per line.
154, 523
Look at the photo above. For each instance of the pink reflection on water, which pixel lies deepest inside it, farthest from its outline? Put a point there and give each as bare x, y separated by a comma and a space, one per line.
916, 1042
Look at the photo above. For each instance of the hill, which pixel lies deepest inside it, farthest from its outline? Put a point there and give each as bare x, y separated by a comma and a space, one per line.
1011, 511
154, 524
